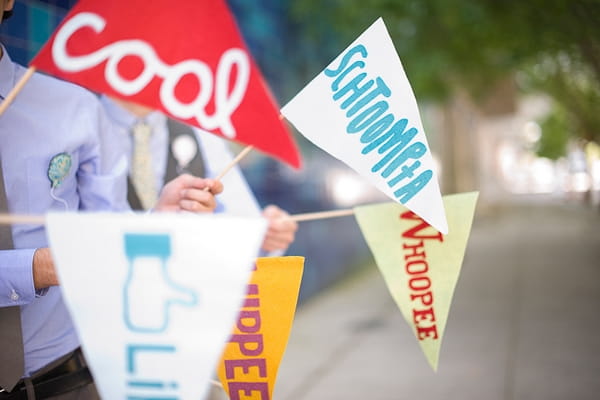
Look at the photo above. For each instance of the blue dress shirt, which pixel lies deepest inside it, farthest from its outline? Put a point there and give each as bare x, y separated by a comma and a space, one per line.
237, 197
50, 124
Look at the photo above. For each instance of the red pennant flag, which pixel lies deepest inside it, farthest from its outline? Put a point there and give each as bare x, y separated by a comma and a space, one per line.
186, 59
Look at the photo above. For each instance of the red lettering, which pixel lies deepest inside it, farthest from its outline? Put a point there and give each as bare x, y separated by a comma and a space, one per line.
423, 315
248, 387
413, 270
245, 365
424, 286
250, 344
252, 289
427, 332
414, 232
417, 267
252, 303
414, 248
426, 298
244, 340
252, 316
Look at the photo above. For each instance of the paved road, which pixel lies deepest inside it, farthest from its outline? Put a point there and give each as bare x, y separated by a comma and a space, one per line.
523, 325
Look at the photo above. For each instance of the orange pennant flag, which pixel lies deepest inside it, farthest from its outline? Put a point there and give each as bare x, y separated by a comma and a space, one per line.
250, 362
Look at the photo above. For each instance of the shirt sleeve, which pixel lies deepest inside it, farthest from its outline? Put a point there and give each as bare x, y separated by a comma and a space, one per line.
102, 187
274, 253
16, 277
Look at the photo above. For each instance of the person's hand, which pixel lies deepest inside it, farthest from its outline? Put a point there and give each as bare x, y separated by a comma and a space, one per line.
281, 231
189, 193
44, 274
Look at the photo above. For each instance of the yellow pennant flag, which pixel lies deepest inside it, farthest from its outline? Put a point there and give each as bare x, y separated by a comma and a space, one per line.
249, 364
420, 265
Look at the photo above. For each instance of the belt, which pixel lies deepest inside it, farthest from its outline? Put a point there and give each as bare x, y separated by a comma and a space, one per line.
69, 373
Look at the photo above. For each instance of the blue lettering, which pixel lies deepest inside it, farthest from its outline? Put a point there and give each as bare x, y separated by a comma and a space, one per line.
406, 172
374, 111
346, 59
380, 88
336, 84
133, 349
415, 150
365, 103
406, 192
141, 387
395, 135
352, 87
404, 138
376, 128
387, 158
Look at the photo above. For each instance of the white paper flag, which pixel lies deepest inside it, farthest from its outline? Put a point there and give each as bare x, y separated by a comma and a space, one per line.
361, 109
153, 297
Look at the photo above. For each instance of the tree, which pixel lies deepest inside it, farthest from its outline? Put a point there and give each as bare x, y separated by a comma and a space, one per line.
550, 46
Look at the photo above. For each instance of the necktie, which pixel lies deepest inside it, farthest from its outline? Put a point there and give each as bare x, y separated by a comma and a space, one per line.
142, 176
175, 166
11, 337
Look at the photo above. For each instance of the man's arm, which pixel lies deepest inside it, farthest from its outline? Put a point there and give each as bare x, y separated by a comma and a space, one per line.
281, 230
183, 193
44, 274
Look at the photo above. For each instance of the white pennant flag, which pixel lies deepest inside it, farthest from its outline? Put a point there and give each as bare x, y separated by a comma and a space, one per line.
153, 297
361, 109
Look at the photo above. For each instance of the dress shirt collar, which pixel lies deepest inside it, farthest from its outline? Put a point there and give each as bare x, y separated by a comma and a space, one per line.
7, 74
125, 119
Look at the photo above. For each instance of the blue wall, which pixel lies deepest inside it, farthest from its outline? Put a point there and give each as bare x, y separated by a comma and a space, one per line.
31, 24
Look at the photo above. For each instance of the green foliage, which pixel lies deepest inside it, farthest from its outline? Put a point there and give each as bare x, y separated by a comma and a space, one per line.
553, 45
555, 135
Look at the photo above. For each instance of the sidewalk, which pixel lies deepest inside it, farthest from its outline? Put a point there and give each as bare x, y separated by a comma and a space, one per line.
523, 325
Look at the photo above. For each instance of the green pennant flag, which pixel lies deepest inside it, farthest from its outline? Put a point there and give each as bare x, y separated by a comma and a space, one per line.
420, 265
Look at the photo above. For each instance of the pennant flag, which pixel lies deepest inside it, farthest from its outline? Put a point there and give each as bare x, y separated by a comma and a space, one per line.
361, 109
249, 365
420, 266
186, 59
153, 297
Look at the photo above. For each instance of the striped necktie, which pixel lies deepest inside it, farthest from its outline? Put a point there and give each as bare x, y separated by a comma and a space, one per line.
142, 176
11, 337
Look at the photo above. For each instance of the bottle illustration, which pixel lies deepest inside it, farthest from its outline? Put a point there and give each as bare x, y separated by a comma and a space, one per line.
149, 293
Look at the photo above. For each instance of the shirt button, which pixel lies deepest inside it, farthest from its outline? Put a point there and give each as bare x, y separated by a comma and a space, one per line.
14, 296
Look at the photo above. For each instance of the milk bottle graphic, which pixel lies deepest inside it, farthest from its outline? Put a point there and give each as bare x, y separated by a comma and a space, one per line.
149, 294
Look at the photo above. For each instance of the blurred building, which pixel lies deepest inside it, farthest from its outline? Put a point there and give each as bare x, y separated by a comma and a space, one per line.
332, 247
31, 25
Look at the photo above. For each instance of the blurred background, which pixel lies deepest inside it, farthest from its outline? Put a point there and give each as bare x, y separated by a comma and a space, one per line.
509, 94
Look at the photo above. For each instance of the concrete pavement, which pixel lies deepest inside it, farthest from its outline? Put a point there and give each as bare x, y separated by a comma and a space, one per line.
523, 324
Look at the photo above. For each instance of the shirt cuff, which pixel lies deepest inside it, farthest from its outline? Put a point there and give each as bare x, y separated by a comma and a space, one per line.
16, 282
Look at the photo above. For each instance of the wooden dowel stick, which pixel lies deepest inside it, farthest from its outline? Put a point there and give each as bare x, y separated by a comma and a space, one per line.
237, 159
216, 383
16, 89
321, 215
40, 219
9, 219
